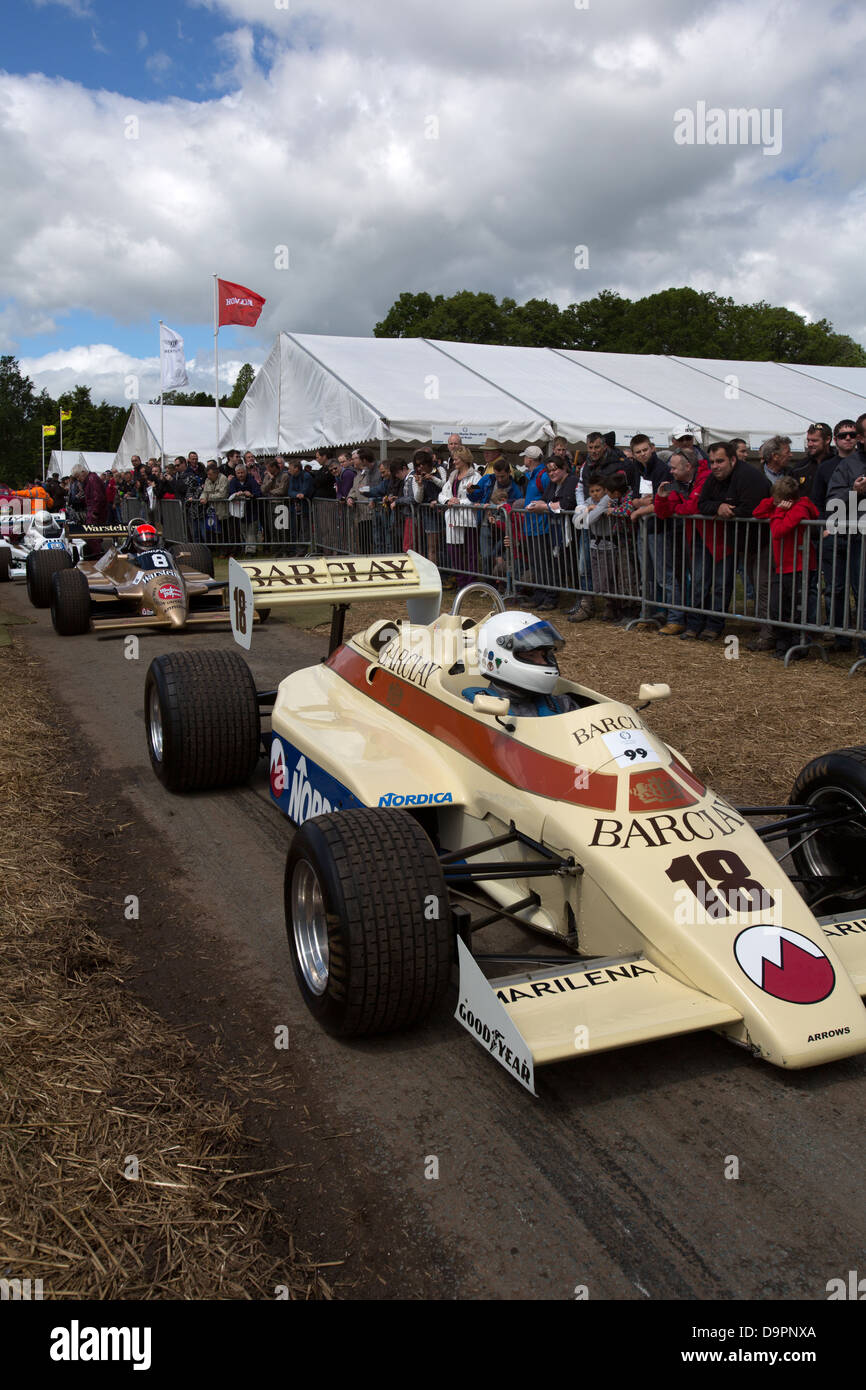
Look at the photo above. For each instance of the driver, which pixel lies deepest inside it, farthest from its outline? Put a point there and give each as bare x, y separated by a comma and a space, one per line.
46, 525
518, 652
142, 536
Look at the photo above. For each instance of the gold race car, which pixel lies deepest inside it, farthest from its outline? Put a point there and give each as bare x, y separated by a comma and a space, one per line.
432, 806
136, 583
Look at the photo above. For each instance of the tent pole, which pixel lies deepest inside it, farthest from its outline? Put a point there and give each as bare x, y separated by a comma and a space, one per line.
216, 363
161, 406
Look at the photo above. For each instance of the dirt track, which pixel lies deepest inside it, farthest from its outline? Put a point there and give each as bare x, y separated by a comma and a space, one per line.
614, 1178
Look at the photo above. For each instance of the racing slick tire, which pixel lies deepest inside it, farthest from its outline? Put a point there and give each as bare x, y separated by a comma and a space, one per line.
202, 719
371, 946
70, 603
5, 563
41, 567
194, 555
835, 780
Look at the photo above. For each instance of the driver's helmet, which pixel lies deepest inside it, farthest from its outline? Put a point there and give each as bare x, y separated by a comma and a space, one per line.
519, 650
142, 536
46, 525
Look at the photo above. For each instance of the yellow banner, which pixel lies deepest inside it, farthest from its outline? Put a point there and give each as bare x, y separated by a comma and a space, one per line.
66, 414
48, 429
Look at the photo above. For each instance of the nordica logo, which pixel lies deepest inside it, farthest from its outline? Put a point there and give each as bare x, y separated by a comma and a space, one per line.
304, 802
420, 799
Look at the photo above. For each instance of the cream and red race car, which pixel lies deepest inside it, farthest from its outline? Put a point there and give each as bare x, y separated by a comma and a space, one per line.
427, 813
137, 583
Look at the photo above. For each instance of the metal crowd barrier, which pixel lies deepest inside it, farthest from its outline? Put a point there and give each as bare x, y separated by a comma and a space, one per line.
695, 571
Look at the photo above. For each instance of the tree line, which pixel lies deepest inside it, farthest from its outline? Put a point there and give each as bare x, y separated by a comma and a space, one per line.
681, 322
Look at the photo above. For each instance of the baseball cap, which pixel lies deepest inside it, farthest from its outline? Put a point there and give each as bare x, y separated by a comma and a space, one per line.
533, 452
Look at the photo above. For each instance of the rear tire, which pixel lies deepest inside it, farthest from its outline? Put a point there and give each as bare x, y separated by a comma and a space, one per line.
836, 781
5, 563
202, 719
368, 921
70, 603
195, 556
41, 567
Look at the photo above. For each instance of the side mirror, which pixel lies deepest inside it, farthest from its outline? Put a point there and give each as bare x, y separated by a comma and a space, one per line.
491, 704
648, 693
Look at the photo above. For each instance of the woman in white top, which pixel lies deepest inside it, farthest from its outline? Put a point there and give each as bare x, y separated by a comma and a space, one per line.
461, 519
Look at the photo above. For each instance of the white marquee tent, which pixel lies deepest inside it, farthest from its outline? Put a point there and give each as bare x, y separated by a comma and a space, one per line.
62, 464
186, 427
325, 391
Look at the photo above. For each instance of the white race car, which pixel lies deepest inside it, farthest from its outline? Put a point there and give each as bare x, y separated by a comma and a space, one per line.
35, 548
430, 805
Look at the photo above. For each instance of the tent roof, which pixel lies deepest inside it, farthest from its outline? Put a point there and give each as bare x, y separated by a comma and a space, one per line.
63, 463
186, 427
323, 391
315, 391
565, 392
849, 382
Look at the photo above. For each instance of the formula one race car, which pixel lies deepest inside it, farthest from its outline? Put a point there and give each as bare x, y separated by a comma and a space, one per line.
43, 535
430, 808
136, 583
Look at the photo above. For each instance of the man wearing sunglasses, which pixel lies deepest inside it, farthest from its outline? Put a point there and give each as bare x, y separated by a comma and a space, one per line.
848, 487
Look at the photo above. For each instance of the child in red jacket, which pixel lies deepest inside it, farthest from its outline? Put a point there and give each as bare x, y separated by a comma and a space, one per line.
792, 553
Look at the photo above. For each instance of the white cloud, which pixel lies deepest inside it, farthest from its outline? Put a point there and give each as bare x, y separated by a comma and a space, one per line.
555, 128
79, 8
159, 64
119, 377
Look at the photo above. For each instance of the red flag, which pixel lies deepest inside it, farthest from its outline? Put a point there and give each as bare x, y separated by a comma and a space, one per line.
237, 304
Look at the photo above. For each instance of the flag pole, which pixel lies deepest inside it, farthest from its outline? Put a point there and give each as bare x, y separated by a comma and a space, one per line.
60, 408
42, 430
161, 405
216, 398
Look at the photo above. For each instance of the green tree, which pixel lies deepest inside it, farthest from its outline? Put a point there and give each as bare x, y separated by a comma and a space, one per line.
189, 398
22, 413
245, 378
406, 317
597, 325
537, 323
680, 321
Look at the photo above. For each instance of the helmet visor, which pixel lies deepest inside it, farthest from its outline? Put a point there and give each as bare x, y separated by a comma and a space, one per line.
541, 639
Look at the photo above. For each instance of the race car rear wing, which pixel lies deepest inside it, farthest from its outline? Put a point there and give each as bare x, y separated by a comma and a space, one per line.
83, 530
333, 579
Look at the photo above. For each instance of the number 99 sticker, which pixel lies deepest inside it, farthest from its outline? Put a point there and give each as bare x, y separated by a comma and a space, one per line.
630, 748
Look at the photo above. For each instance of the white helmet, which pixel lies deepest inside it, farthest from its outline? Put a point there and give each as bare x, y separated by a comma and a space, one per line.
518, 649
46, 524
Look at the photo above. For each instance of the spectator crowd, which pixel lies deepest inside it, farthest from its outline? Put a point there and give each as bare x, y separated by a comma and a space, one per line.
592, 520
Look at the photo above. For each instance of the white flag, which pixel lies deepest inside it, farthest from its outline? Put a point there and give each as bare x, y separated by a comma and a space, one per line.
172, 366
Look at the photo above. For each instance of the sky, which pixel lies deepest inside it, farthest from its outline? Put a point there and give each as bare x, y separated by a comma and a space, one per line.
332, 155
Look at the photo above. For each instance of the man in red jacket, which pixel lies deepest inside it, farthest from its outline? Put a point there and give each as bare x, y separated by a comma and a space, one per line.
678, 499
792, 553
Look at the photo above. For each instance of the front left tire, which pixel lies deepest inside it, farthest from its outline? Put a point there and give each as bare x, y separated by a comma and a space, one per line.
202, 718
70, 603
40, 568
368, 921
